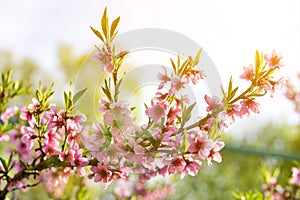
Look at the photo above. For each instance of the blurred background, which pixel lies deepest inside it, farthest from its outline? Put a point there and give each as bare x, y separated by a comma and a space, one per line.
51, 41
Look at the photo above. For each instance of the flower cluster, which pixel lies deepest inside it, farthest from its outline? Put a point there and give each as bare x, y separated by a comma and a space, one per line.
166, 145
50, 143
273, 190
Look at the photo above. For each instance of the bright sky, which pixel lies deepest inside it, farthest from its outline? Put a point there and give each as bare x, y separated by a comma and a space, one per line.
229, 30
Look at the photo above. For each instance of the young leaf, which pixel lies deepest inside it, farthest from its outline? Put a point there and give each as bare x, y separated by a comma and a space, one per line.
78, 95
229, 86
233, 92
258, 62
185, 143
104, 24
97, 33
66, 99
186, 113
173, 65
114, 25
197, 57
4, 164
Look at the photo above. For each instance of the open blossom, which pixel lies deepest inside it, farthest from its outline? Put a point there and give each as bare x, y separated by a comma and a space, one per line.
4, 137
176, 85
248, 73
247, 105
200, 144
177, 166
8, 113
118, 118
232, 113
295, 180
174, 112
51, 143
29, 137
102, 173
26, 115
214, 103
192, 165
164, 79
214, 153
274, 60
157, 111
74, 156
55, 118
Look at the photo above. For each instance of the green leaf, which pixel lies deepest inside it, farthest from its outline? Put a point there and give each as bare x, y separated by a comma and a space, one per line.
186, 113
66, 99
4, 164
185, 143
233, 92
10, 158
97, 33
78, 95
114, 25
185, 140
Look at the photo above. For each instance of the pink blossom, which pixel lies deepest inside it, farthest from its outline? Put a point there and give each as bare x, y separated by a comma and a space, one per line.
273, 190
214, 153
104, 105
174, 112
277, 85
102, 173
34, 105
248, 73
24, 151
29, 136
214, 103
295, 180
4, 137
14, 184
176, 85
106, 62
192, 165
124, 187
247, 105
194, 76
118, 118
109, 155
54, 118
55, 181
8, 113
51, 143
157, 110
74, 156
274, 60
164, 79
177, 166
26, 115
200, 144
232, 113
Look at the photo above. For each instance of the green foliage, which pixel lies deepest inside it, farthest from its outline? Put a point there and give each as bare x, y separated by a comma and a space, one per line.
10, 89
251, 195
